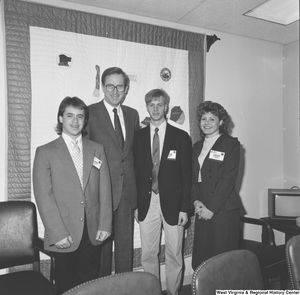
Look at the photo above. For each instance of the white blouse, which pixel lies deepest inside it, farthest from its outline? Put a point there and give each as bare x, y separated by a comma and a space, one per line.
207, 145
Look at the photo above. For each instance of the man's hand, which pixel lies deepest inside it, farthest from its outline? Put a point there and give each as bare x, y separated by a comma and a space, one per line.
64, 243
182, 218
102, 235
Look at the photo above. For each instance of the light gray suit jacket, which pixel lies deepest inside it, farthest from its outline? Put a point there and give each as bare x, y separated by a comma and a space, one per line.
61, 200
121, 164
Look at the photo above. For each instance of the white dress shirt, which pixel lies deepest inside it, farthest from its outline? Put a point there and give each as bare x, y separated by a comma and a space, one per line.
68, 140
111, 113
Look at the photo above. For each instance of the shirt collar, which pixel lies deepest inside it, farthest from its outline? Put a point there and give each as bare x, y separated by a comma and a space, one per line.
68, 139
111, 108
161, 127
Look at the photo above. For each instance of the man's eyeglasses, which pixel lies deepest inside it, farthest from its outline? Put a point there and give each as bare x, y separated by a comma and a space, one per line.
111, 88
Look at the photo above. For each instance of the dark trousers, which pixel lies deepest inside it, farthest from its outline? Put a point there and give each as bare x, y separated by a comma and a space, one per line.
123, 241
77, 267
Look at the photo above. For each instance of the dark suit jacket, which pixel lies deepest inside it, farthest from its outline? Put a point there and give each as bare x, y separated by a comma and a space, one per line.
121, 164
60, 198
218, 177
174, 176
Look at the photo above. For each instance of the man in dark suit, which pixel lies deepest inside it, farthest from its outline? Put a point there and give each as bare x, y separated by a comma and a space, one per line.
162, 155
113, 125
72, 188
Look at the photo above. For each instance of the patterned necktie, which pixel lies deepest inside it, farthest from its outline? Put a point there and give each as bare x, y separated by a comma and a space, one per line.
77, 159
155, 159
118, 129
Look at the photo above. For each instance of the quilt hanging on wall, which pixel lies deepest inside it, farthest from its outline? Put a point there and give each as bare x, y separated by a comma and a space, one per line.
54, 52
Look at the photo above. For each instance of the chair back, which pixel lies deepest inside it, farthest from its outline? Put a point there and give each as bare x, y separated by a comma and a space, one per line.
233, 270
292, 251
18, 230
129, 283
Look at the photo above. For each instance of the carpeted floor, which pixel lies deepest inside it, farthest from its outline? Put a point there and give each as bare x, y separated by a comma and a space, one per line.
185, 290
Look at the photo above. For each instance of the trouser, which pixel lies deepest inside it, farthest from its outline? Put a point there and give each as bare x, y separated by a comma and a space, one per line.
123, 241
150, 229
75, 268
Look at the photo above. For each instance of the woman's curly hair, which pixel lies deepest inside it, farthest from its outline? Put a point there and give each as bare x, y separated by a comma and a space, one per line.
215, 109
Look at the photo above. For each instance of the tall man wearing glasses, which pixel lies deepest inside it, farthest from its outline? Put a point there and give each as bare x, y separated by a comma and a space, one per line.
113, 125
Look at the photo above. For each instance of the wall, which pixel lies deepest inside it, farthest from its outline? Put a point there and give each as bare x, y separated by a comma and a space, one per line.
3, 120
3, 116
291, 122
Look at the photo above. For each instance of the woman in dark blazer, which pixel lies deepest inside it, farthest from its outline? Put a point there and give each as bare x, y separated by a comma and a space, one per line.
214, 197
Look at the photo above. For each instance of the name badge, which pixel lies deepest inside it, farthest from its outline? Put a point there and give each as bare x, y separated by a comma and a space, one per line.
172, 155
216, 155
97, 163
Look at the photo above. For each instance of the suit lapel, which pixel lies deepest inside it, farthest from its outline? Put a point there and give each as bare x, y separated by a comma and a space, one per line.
147, 142
106, 121
88, 158
167, 146
214, 147
65, 157
129, 130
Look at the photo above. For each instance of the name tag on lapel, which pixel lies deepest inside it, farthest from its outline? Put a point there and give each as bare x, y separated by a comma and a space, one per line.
97, 163
172, 155
216, 155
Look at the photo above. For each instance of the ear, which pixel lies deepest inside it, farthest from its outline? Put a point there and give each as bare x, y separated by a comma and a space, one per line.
126, 89
60, 119
221, 122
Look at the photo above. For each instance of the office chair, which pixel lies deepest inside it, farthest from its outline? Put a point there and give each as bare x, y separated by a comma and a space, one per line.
292, 250
271, 258
128, 283
20, 245
232, 270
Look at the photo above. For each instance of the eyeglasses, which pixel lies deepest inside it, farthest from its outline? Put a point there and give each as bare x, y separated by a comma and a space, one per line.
111, 88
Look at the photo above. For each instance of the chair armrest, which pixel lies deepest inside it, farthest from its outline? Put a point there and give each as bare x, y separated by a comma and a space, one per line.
267, 235
39, 245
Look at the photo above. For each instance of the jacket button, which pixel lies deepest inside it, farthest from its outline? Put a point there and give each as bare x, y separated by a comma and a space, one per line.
81, 219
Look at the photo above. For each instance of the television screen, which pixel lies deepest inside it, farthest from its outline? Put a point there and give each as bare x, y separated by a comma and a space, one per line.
283, 204
287, 206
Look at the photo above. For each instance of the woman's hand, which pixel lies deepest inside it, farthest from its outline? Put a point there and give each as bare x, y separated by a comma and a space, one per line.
206, 213
198, 207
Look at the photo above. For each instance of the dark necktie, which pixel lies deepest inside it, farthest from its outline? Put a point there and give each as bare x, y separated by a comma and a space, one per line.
155, 159
118, 129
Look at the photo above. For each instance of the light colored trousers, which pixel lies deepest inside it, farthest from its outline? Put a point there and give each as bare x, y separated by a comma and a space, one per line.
150, 229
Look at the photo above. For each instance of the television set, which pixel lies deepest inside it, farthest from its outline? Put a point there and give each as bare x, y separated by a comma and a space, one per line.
283, 204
